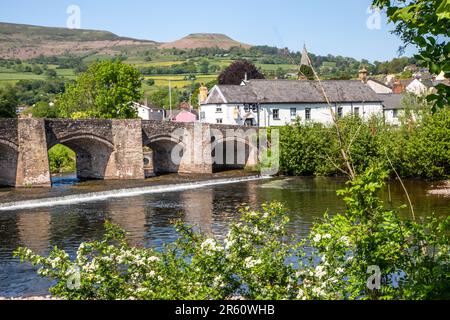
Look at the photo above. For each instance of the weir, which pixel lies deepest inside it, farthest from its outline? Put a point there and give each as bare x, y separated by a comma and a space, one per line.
115, 149
120, 193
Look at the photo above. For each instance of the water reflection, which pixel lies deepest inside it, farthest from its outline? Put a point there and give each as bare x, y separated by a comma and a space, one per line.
34, 230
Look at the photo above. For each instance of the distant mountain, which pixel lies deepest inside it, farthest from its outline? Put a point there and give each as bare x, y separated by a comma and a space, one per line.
204, 40
26, 41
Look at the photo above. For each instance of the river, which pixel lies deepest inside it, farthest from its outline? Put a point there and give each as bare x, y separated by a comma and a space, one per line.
210, 202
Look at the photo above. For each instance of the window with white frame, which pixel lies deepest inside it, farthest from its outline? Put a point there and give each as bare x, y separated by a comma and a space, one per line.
219, 121
293, 112
276, 114
308, 114
219, 109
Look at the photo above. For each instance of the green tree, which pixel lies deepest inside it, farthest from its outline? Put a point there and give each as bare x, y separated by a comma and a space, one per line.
37, 70
8, 102
44, 110
424, 23
106, 90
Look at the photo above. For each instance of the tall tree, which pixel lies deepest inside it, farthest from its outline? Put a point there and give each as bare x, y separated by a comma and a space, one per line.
106, 90
235, 73
8, 102
425, 24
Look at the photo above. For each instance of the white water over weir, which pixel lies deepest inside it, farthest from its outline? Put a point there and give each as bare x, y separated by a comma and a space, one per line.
119, 193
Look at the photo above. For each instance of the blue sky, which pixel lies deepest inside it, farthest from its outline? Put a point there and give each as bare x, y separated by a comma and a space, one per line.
326, 26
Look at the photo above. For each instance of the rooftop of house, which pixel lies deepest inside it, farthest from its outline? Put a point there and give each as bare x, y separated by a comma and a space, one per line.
288, 91
391, 101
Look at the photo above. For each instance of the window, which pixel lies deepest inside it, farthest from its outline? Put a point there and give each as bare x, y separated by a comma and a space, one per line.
340, 112
218, 109
219, 121
293, 112
202, 115
356, 111
308, 114
276, 114
395, 113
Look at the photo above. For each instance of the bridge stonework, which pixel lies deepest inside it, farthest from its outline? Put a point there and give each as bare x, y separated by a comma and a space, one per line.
108, 149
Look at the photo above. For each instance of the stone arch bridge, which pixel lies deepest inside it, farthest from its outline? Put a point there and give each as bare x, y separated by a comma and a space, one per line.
120, 149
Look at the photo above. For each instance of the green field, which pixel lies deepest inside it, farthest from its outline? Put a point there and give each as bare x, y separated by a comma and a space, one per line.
11, 76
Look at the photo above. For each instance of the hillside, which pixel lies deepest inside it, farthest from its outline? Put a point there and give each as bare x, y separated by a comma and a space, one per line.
204, 40
26, 41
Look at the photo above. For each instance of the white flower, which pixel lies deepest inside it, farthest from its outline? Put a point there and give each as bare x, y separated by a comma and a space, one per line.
318, 292
250, 263
317, 238
154, 259
152, 273
345, 240
339, 270
301, 295
327, 236
210, 245
229, 244
320, 272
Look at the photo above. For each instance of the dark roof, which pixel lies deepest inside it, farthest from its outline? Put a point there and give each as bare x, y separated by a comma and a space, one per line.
391, 101
233, 94
288, 91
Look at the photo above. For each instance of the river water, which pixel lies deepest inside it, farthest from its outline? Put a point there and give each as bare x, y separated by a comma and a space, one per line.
146, 215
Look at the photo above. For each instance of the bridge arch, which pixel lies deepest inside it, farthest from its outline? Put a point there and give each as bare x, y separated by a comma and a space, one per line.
93, 154
233, 152
9, 156
166, 152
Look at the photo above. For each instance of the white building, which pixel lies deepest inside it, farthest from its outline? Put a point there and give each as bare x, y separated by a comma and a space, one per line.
379, 87
393, 108
281, 102
149, 113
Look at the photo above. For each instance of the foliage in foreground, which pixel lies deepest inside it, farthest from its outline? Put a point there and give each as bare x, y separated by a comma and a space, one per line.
258, 260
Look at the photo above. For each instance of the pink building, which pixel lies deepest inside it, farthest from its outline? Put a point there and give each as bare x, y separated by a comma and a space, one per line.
183, 116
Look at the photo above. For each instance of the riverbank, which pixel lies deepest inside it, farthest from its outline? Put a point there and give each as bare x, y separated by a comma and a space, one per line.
441, 189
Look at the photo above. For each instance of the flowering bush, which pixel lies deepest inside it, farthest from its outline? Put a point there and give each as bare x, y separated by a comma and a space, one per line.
258, 260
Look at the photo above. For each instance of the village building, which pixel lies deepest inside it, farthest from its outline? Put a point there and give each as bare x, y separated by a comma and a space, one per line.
146, 112
379, 87
393, 108
281, 102
185, 114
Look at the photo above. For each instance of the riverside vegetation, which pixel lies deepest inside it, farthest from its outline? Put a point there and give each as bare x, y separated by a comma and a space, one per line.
418, 148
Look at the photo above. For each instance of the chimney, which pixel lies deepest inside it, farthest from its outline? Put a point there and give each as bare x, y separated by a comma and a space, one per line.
246, 77
363, 75
398, 87
203, 94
